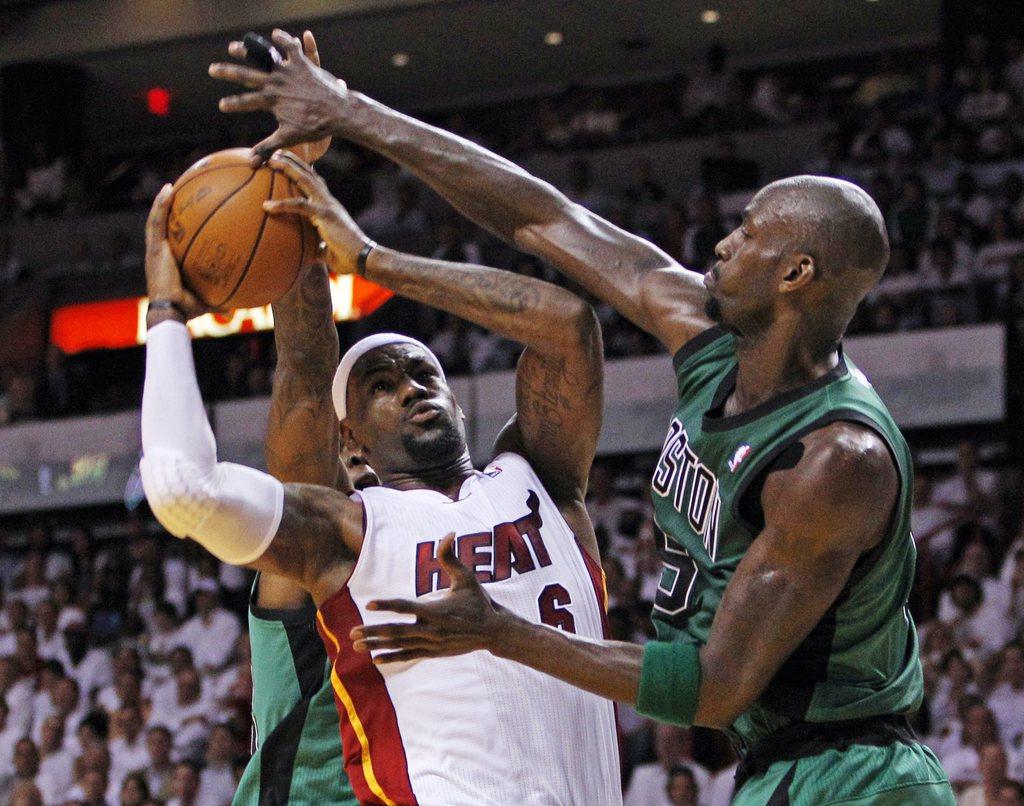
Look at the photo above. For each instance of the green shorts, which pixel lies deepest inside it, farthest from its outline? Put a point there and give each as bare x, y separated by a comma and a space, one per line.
897, 774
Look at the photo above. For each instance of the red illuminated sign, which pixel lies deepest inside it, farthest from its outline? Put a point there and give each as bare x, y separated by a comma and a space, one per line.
120, 323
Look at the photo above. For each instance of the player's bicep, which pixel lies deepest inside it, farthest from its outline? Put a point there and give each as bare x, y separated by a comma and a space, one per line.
559, 407
319, 534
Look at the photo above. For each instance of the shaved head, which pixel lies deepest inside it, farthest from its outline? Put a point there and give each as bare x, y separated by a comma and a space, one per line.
835, 221
809, 248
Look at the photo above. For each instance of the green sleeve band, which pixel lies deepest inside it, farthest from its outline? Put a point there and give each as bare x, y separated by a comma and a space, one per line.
669, 682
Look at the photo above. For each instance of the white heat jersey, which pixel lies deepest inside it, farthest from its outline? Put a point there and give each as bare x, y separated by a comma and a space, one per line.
472, 729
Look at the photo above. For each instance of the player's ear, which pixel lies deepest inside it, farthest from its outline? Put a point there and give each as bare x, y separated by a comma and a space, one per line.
800, 270
349, 443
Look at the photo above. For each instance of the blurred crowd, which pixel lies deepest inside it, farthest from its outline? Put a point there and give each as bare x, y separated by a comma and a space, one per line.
125, 676
937, 141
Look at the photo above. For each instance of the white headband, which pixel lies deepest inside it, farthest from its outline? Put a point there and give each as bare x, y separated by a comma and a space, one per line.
339, 389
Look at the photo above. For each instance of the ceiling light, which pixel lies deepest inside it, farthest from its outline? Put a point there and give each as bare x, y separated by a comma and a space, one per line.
553, 38
400, 59
710, 16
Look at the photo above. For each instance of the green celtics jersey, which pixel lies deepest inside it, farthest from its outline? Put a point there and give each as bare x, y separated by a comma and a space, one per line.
861, 659
297, 743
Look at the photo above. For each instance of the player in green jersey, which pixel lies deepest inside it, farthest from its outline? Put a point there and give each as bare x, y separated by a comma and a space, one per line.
297, 753
783, 487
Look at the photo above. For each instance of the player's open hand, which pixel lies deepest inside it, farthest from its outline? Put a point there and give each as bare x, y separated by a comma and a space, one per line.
163, 275
305, 99
339, 232
464, 620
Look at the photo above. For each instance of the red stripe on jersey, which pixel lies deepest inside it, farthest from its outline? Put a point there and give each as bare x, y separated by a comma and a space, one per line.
596, 573
386, 771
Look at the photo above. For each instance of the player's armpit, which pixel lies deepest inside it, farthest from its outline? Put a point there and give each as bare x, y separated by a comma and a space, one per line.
820, 517
320, 533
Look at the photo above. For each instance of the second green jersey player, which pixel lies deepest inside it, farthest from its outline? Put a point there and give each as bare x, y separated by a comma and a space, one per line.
296, 745
297, 750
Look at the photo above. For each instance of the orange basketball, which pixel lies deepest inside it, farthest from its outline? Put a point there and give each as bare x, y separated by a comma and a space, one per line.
232, 253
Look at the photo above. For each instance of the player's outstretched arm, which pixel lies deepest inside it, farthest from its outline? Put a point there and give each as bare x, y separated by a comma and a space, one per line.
559, 382
638, 279
821, 516
303, 532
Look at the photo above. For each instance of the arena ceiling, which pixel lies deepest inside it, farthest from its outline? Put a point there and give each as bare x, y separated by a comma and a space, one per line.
459, 51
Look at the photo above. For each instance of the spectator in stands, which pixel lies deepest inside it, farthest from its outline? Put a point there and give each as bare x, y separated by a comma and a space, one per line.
1010, 198
11, 268
912, 214
212, 632
128, 745
186, 785
703, 234
830, 159
89, 666
217, 781
673, 748
979, 625
984, 103
708, 89
682, 789
57, 763
973, 205
992, 766
962, 762
187, 712
971, 489
160, 769
885, 82
46, 186
768, 101
942, 168
91, 788
451, 246
25, 769
1007, 698
1011, 793
595, 123
134, 790
583, 190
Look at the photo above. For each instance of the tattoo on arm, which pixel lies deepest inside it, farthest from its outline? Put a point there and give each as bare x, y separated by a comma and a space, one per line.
302, 430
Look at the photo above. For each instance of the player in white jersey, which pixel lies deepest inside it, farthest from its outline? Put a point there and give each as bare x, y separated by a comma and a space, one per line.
469, 730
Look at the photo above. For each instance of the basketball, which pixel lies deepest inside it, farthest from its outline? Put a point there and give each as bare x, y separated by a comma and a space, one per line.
232, 254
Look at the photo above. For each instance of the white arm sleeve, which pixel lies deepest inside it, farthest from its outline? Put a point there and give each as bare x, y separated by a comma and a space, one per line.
232, 510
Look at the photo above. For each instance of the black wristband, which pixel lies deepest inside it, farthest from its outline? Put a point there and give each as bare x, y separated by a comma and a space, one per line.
167, 305
364, 253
